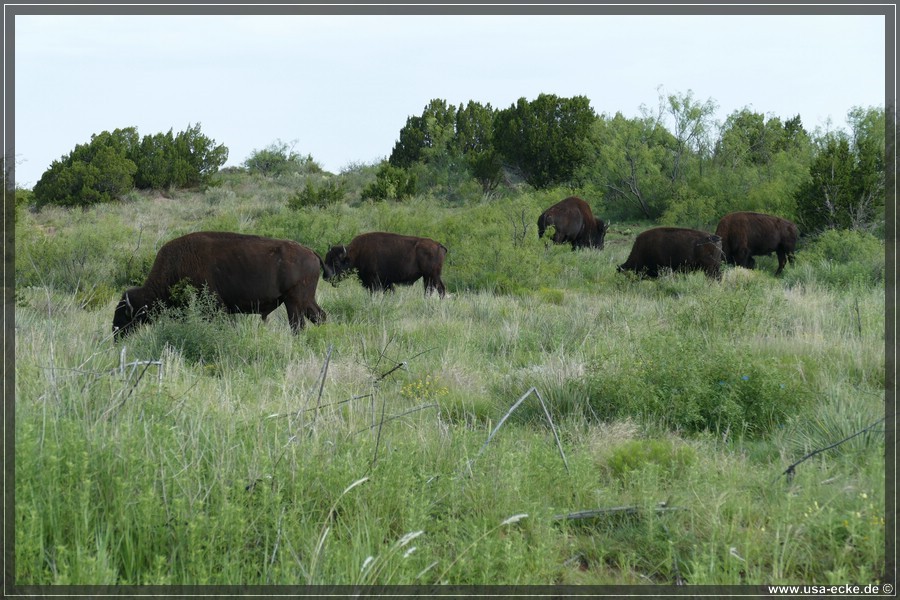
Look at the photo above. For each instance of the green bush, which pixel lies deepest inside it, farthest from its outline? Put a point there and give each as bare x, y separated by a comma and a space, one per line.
185, 159
691, 210
840, 258
113, 163
692, 385
278, 159
91, 174
671, 459
329, 192
391, 183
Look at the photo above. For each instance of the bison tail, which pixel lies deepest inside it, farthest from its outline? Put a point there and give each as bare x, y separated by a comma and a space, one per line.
327, 272
542, 225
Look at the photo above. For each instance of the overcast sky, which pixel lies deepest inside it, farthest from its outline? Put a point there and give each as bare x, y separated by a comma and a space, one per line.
342, 87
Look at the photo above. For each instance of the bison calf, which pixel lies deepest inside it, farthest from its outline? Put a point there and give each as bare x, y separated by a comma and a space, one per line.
574, 223
246, 273
382, 260
674, 248
748, 234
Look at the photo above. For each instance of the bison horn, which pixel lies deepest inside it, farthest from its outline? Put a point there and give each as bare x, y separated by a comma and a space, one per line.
128, 304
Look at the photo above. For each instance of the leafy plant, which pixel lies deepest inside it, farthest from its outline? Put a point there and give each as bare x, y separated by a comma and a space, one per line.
541, 138
391, 183
278, 159
329, 192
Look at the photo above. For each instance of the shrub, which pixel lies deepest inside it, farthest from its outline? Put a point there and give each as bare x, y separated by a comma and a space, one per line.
185, 159
92, 173
688, 385
391, 183
279, 158
634, 455
113, 163
690, 210
329, 192
840, 258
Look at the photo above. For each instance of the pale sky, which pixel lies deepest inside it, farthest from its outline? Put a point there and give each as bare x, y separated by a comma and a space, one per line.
342, 87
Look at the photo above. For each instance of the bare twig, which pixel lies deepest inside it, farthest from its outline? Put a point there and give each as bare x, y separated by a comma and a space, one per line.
322, 374
378, 435
395, 417
790, 470
553, 429
617, 510
304, 410
531, 391
130, 390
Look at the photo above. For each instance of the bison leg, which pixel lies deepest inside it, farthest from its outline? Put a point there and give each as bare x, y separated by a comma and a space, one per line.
742, 258
432, 284
315, 313
295, 316
782, 260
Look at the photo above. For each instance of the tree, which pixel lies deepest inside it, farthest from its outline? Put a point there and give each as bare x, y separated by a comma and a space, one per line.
628, 160
115, 162
747, 138
692, 126
475, 141
391, 183
846, 185
197, 157
279, 158
99, 171
544, 139
428, 138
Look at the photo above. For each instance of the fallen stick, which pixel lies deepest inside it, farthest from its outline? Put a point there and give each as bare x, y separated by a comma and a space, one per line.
617, 510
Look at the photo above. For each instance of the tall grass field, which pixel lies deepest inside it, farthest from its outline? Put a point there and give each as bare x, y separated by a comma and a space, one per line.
657, 418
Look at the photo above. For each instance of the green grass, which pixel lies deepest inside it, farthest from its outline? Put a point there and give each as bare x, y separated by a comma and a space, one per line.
219, 468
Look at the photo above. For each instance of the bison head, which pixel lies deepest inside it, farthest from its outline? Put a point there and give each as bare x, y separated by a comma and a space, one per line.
337, 264
130, 312
598, 237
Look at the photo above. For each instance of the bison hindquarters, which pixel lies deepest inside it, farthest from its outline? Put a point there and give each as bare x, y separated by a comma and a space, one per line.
748, 234
674, 248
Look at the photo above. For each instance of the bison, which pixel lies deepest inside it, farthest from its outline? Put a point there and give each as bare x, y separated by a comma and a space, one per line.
574, 223
245, 273
748, 234
676, 248
382, 260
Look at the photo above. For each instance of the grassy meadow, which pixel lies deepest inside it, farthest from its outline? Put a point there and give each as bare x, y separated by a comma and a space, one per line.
208, 449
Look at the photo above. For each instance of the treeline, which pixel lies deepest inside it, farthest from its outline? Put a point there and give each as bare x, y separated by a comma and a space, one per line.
671, 164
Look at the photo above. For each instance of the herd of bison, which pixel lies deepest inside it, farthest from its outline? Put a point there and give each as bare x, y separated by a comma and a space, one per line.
255, 275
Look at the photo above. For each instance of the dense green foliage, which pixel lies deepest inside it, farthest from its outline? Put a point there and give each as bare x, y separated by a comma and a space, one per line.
233, 461
542, 139
280, 159
112, 164
391, 183
846, 186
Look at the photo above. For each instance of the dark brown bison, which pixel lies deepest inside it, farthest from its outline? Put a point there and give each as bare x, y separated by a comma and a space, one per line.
246, 273
382, 260
748, 234
676, 248
574, 223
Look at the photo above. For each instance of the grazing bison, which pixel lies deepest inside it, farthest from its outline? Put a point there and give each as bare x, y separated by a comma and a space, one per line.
384, 259
676, 248
246, 273
748, 234
574, 223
